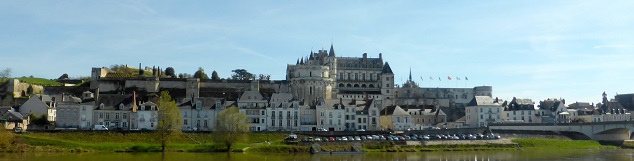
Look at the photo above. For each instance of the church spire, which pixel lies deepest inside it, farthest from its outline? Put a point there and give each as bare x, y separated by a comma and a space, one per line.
297, 62
332, 51
410, 74
302, 62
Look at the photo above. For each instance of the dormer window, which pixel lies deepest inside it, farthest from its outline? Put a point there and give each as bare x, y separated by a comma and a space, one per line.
199, 104
153, 108
217, 104
121, 106
101, 106
142, 107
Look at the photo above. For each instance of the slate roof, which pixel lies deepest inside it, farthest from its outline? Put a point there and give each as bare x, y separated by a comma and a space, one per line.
112, 101
425, 112
147, 105
251, 96
387, 69
4, 109
549, 104
393, 110
13, 116
482, 101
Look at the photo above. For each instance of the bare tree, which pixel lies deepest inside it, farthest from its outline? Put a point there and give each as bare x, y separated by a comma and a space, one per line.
5, 73
169, 121
232, 127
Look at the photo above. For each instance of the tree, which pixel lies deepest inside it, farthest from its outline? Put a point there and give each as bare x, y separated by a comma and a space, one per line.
233, 126
170, 72
63, 77
39, 120
6, 137
264, 77
214, 76
5, 73
242, 74
169, 119
200, 74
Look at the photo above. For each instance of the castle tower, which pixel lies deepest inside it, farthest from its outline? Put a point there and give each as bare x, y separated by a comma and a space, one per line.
331, 62
387, 84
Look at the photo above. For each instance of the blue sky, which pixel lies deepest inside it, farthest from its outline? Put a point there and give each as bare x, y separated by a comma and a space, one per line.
527, 49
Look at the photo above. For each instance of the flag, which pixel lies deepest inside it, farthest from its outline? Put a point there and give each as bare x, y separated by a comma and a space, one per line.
465, 78
439, 79
458, 78
448, 77
430, 78
421, 78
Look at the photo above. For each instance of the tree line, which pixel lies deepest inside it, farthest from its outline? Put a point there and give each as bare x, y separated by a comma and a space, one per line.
236, 74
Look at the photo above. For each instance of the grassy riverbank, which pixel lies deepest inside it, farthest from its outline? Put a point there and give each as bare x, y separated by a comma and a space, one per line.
261, 143
560, 144
128, 142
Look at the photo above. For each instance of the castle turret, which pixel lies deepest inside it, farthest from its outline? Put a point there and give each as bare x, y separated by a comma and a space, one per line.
387, 84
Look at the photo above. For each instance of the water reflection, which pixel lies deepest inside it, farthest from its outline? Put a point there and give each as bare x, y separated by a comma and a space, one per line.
525, 155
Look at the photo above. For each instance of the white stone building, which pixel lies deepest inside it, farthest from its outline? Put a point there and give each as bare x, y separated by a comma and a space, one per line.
483, 110
40, 105
283, 113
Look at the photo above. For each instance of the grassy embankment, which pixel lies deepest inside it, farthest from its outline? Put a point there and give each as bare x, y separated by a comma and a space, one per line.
130, 142
531, 144
39, 81
145, 142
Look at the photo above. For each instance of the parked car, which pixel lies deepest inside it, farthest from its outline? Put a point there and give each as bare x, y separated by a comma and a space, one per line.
317, 139
331, 139
100, 127
344, 139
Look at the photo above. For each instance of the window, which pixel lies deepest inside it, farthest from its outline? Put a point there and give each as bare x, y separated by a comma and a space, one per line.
356, 76
205, 123
100, 115
107, 116
330, 114
185, 122
272, 113
125, 115
116, 115
273, 122
340, 76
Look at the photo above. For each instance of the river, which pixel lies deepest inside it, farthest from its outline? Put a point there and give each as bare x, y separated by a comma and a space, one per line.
522, 155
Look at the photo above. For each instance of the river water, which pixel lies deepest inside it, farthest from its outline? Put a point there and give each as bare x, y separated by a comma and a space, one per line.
523, 155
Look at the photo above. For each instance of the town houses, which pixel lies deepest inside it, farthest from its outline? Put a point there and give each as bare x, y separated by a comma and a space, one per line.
320, 92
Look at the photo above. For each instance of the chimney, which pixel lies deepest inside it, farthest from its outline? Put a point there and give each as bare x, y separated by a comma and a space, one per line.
63, 97
365, 57
341, 101
381, 56
134, 106
97, 95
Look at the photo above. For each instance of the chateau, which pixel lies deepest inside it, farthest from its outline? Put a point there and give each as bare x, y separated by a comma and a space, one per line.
323, 74
321, 92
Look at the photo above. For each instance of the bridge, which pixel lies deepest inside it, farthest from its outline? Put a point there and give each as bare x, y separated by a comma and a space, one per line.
601, 131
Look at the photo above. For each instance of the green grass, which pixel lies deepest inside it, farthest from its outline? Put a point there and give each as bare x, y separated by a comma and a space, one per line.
39, 81
560, 144
133, 142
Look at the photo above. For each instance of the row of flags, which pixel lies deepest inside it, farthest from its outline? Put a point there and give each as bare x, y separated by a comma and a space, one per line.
448, 78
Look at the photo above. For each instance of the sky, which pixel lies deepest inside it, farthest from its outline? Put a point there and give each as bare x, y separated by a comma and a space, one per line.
535, 49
